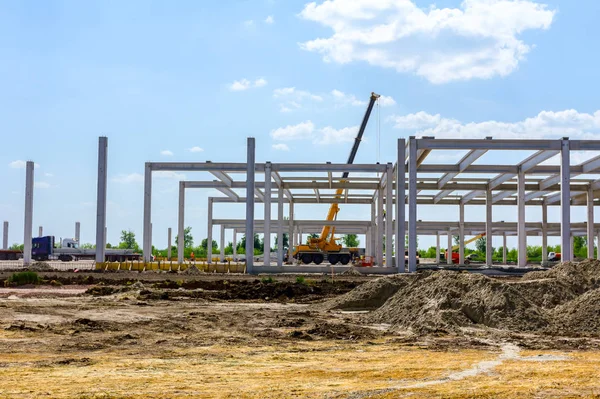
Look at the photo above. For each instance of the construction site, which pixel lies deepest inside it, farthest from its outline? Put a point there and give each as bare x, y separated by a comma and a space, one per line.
321, 320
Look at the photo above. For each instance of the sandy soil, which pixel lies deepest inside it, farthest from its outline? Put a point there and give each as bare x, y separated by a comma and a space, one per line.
252, 339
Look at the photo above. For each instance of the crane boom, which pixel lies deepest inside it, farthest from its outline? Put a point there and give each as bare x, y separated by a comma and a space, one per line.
334, 209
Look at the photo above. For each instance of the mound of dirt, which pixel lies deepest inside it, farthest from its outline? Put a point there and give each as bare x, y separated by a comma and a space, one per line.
370, 295
192, 271
40, 267
351, 272
340, 331
579, 317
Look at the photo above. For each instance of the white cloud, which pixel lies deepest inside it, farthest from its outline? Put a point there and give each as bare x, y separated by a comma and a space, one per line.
330, 135
128, 178
195, 149
293, 98
166, 153
20, 164
167, 174
249, 23
270, 20
281, 147
245, 84
294, 132
48, 174
545, 125
386, 101
346, 99
477, 40
41, 184
283, 108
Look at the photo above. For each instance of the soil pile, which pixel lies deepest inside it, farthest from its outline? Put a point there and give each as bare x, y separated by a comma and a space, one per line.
40, 267
579, 317
192, 271
370, 295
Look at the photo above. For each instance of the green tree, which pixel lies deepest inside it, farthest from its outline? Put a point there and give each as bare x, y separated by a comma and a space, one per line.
16, 247
481, 244
406, 242
286, 241
128, 240
188, 240
204, 245
351, 240
456, 240
311, 236
88, 245
242, 244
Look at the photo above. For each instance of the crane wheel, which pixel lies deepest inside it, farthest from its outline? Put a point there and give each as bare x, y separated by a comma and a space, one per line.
345, 259
333, 259
306, 258
318, 259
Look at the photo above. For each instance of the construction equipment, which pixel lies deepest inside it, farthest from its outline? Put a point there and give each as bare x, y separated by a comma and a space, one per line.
456, 255
43, 249
325, 245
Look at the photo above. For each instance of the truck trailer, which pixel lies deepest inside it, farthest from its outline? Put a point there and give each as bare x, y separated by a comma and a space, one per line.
43, 249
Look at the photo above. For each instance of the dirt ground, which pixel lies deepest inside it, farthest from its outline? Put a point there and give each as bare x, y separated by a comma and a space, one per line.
109, 335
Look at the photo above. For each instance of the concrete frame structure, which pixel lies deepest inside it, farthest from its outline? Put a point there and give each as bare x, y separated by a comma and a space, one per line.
28, 225
5, 235
101, 199
526, 184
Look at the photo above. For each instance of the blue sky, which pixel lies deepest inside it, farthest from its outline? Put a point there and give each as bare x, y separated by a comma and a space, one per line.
161, 78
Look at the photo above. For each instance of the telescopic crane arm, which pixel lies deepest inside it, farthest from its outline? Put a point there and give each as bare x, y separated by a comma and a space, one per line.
334, 209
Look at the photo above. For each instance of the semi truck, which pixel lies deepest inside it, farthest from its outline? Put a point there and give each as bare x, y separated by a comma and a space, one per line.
43, 249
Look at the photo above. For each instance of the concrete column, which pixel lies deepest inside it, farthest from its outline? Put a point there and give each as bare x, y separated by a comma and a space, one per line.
449, 248
373, 229
590, 223
28, 226
106, 235
267, 223
400, 205
504, 260
78, 232
572, 246
41, 231
234, 244
565, 200
147, 248
209, 238
181, 223
461, 234
368, 242
437, 248
279, 227
222, 244
380, 228
488, 227
412, 204
544, 233
389, 216
169, 243
598, 252
250, 161
521, 232
290, 230
101, 199
5, 236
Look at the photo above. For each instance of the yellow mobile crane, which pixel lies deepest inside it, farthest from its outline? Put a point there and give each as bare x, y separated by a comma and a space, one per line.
316, 248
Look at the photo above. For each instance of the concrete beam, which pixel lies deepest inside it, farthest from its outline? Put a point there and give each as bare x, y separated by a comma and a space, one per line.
101, 199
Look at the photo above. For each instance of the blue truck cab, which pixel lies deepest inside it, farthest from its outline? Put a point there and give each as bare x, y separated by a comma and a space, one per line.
42, 247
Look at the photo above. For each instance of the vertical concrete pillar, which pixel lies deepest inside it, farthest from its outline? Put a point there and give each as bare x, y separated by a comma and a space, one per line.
400, 205
449, 248
461, 234
78, 232
572, 246
222, 244
5, 236
412, 204
437, 248
279, 227
234, 244
565, 200
389, 216
598, 251
380, 228
590, 222
488, 227
181, 223
522, 233
28, 226
106, 235
267, 223
250, 174
169, 243
101, 199
147, 247
209, 231
504, 261
544, 233
373, 229
41, 231
290, 230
